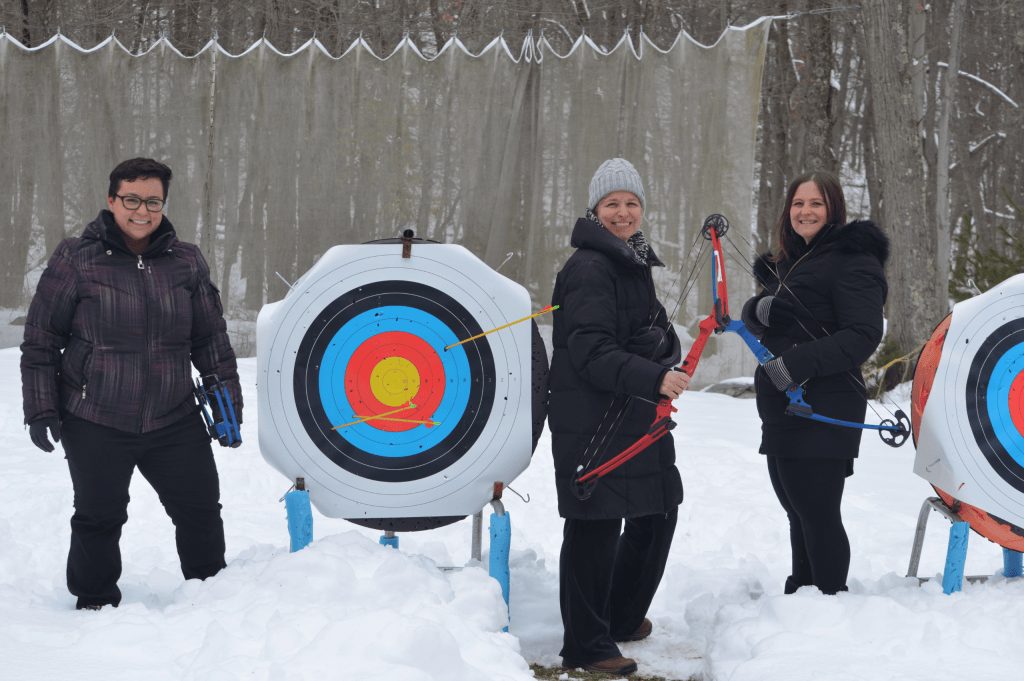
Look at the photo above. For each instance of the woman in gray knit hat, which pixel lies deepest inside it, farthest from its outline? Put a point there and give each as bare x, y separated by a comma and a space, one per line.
614, 349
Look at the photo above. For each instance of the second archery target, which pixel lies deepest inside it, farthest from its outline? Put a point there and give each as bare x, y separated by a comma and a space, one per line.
970, 404
366, 392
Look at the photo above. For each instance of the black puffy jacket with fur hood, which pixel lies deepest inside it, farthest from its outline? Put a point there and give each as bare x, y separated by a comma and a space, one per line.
837, 287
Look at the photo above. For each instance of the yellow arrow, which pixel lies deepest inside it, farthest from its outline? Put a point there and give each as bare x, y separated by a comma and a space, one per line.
547, 309
378, 416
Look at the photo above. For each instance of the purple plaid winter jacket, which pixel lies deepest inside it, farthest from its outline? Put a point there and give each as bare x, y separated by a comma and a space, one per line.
130, 327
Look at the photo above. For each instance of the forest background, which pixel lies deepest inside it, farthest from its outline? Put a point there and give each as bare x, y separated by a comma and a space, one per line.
868, 91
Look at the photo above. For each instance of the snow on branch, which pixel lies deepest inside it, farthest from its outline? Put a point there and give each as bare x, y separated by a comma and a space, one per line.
987, 84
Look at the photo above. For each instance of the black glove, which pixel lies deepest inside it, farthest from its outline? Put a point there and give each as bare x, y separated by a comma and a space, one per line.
777, 371
655, 344
774, 311
37, 430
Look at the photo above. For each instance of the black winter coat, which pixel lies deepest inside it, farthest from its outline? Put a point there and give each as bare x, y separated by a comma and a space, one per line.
837, 287
130, 328
606, 351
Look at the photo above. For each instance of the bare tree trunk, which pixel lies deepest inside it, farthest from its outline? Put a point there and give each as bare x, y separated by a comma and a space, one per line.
914, 301
871, 162
918, 23
774, 116
814, 107
26, 36
435, 21
942, 222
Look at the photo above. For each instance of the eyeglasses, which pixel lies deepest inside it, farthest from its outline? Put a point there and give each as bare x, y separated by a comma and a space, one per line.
133, 202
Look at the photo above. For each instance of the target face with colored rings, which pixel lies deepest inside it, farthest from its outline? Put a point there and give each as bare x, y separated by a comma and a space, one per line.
376, 389
995, 388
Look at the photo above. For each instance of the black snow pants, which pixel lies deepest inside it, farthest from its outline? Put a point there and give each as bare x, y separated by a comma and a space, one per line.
607, 581
177, 461
811, 492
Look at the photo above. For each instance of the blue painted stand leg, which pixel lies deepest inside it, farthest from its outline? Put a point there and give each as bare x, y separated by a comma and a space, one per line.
501, 542
300, 519
956, 556
1012, 564
389, 539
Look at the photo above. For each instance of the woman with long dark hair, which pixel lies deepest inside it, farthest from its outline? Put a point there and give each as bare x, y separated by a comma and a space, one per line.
820, 313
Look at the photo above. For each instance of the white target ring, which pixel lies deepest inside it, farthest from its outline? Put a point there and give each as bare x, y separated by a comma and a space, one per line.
361, 394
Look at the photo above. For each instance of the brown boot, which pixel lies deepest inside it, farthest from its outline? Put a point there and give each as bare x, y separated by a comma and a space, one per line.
618, 666
640, 634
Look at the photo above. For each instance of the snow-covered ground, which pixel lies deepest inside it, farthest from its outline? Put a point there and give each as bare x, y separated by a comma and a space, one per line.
347, 608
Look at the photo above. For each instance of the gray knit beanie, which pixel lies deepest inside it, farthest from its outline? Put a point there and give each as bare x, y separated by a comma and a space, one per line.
616, 174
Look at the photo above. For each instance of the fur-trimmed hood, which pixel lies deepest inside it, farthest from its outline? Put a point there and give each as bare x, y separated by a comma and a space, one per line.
859, 236
864, 236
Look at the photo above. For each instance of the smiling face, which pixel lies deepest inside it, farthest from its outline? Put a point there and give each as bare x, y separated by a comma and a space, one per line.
620, 213
138, 223
808, 213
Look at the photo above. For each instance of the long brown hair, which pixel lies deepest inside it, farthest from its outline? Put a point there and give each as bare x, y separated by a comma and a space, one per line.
786, 239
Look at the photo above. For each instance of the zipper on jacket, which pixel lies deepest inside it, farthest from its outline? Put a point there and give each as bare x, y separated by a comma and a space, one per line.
145, 392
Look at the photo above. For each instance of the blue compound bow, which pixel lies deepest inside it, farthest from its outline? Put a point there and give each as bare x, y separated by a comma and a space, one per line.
894, 432
225, 430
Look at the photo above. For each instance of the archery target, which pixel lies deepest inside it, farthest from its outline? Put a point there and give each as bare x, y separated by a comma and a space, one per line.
969, 419
363, 394
991, 527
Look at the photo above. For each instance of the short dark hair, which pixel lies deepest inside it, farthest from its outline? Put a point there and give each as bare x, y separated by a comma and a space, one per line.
138, 169
786, 238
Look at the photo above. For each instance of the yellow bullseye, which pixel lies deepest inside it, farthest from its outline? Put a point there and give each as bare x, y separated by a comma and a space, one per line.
394, 381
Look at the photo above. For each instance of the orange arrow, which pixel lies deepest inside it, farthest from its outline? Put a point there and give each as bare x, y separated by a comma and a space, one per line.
428, 423
378, 416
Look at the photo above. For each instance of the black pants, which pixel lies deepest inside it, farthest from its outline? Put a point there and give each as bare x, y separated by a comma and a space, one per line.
177, 461
607, 581
811, 491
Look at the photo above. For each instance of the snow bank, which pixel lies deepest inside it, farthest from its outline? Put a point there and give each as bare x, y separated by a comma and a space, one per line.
348, 608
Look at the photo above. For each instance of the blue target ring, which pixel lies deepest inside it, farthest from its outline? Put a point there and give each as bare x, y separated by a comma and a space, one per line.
383, 308
365, 326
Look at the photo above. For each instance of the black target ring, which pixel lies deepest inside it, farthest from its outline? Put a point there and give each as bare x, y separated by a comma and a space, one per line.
989, 436
357, 460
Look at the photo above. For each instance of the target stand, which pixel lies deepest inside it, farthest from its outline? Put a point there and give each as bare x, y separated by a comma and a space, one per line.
367, 390
967, 409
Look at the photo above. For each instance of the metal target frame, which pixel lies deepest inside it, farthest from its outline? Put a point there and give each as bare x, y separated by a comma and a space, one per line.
366, 323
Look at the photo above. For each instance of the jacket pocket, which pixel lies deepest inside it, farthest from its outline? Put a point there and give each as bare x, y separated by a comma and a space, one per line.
76, 364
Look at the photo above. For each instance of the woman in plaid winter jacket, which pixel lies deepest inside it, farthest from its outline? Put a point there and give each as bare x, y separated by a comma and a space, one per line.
119, 317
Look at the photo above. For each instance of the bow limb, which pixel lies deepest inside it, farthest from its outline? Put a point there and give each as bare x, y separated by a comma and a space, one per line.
893, 433
583, 486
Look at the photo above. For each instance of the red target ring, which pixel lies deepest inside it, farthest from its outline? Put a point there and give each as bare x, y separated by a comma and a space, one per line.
1016, 402
390, 370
